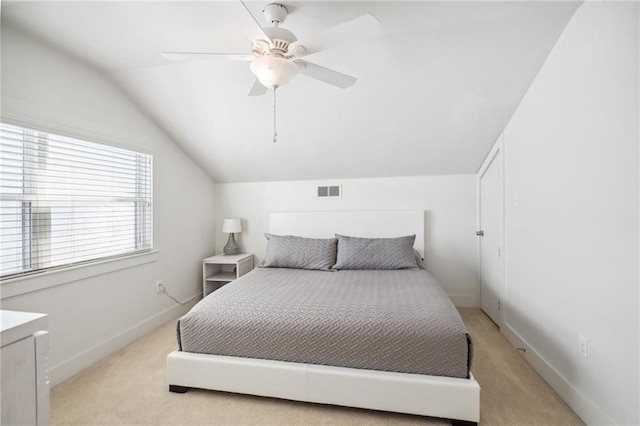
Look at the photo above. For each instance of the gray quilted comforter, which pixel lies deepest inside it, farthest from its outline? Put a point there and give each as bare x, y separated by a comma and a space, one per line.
378, 320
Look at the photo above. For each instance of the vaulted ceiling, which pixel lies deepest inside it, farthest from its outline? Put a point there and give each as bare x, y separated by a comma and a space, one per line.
435, 86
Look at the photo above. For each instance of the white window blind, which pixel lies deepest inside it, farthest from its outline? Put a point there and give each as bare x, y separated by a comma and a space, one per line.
66, 201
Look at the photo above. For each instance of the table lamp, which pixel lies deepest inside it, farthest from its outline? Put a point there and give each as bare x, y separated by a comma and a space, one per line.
231, 226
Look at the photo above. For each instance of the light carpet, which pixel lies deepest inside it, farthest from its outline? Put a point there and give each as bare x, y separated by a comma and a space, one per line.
129, 387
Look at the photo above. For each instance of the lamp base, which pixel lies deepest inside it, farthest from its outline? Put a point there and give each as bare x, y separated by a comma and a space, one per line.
232, 246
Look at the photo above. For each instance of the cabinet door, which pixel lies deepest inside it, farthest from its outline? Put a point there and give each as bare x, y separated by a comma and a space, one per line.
18, 376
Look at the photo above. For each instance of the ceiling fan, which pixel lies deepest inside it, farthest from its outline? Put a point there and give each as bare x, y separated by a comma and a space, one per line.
276, 56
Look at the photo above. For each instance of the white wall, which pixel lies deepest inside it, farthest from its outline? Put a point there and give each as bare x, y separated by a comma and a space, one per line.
91, 317
449, 202
572, 242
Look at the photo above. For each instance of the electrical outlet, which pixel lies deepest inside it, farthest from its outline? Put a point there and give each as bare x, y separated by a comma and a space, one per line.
584, 345
159, 287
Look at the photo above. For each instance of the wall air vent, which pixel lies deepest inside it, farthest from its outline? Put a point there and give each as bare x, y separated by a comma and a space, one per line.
330, 191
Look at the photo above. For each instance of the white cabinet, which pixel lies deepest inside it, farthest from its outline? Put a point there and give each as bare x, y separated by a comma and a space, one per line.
221, 269
23, 369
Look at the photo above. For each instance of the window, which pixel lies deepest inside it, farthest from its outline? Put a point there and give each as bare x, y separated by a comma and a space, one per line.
65, 201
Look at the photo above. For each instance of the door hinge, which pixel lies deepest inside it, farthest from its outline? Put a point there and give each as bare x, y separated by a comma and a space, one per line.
479, 233
498, 305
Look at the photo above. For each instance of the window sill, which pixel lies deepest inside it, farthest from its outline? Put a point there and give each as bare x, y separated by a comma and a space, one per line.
30, 283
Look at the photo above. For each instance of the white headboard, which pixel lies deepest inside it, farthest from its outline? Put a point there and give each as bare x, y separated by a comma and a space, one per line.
366, 223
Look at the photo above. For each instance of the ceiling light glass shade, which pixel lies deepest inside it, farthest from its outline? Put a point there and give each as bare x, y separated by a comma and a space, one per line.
273, 72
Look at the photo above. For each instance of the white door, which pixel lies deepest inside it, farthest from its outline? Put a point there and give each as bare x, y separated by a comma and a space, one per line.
491, 236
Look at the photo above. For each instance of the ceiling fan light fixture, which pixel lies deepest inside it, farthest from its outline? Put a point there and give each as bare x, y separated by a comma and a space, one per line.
274, 72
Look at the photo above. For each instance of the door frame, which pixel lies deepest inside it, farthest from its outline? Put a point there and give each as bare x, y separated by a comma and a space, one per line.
498, 147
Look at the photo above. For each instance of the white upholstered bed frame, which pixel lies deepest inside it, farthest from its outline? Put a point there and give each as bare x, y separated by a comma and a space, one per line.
434, 396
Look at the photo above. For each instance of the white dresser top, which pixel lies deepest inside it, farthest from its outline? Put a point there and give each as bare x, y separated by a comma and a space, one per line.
16, 325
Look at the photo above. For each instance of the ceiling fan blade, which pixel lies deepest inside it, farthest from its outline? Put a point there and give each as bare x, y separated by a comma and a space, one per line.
258, 32
206, 56
357, 29
325, 75
257, 89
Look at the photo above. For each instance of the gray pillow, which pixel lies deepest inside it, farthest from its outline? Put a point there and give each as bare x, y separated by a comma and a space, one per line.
288, 251
376, 253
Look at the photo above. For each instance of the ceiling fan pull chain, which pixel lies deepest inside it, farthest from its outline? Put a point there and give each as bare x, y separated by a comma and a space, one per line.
275, 132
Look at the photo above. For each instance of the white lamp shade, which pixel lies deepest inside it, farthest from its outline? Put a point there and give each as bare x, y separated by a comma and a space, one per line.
232, 225
274, 72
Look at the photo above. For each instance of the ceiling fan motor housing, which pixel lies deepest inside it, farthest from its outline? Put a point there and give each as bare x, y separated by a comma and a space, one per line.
280, 39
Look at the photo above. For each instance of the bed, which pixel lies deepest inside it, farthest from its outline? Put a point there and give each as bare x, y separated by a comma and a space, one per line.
316, 336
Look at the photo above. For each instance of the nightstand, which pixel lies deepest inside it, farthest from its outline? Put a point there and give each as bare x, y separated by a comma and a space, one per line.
24, 355
221, 269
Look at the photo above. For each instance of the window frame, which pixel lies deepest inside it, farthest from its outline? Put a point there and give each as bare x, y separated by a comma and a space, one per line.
74, 271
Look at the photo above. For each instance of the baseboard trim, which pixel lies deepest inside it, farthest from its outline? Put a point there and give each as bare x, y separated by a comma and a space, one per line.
463, 300
586, 409
71, 367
